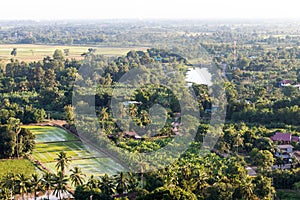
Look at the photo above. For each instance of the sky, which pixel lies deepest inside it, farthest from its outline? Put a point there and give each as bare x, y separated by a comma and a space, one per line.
147, 9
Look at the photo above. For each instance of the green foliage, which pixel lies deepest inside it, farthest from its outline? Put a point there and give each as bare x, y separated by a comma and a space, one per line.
165, 193
15, 143
287, 194
16, 166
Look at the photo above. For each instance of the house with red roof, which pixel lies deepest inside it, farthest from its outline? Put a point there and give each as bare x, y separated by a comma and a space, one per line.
284, 83
284, 138
134, 135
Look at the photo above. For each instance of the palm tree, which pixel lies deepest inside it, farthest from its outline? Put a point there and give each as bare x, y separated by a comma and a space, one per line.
6, 194
77, 177
121, 182
106, 185
132, 182
186, 172
92, 183
170, 178
47, 182
144, 119
138, 163
246, 187
22, 183
133, 110
199, 181
104, 116
60, 184
35, 183
62, 162
9, 181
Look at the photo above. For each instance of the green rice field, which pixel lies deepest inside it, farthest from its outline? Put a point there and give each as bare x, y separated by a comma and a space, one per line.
51, 140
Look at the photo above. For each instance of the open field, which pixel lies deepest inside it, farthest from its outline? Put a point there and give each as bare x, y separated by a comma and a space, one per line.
16, 166
51, 140
30, 52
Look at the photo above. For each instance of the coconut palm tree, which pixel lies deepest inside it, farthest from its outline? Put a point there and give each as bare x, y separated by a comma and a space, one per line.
121, 182
9, 181
77, 177
22, 184
5, 194
106, 185
199, 180
170, 178
246, 188
35, 183
62, 162
92, 183
132, 182
133, 110
144, 118
60, 184
47, 182
104, 116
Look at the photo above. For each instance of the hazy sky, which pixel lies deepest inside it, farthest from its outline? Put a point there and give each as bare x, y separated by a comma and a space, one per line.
112, 9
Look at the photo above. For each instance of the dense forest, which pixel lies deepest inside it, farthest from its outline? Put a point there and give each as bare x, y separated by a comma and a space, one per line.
256, 63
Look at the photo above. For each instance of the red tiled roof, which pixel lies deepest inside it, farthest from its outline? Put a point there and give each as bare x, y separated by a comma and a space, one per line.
282, 137
130, 133
286, 82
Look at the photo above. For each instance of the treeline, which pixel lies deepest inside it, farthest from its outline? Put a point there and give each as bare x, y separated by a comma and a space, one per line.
28, 91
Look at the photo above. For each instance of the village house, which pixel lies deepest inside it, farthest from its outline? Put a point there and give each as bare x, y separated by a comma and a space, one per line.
133, 135
284, 138
284, 83
284, 151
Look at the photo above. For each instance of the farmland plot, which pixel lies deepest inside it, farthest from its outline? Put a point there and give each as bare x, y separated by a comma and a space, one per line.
51, 140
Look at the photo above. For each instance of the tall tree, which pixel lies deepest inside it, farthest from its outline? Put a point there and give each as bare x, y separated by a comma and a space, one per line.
35, 182
106, 185
60, 184
15, 125
62, 162
58, 55
14, 52
47, 182
22, 184
121, 182
77, 177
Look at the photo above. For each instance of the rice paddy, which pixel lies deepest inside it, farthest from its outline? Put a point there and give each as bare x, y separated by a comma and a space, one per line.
51, 140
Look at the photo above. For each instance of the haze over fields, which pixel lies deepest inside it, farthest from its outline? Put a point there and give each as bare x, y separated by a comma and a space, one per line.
118, 9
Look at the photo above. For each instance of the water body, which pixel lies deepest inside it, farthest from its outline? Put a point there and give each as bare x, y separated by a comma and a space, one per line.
199, 76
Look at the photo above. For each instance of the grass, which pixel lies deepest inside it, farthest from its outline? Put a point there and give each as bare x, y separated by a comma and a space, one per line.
51, 140
30, 52
16, 166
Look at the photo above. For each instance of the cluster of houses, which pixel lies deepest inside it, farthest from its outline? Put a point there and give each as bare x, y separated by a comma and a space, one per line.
285, 147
